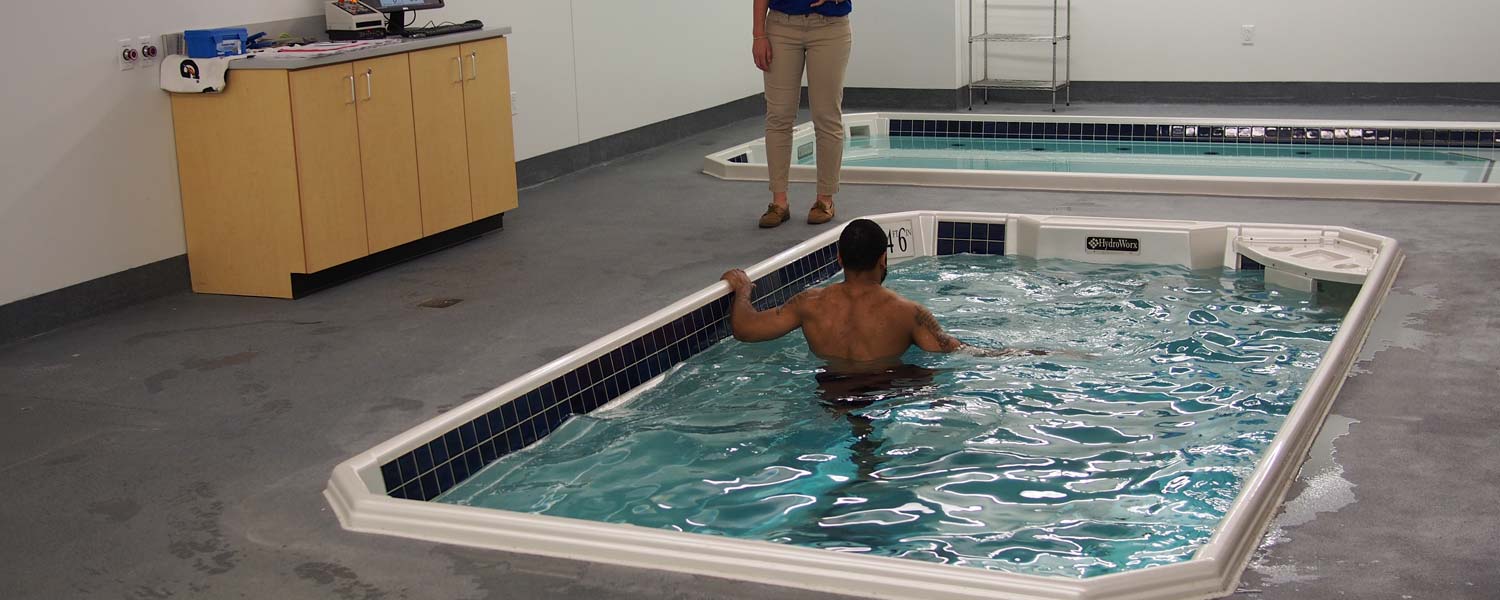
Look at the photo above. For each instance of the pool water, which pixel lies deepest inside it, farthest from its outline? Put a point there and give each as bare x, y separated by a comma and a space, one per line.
1213, 159
1123, 451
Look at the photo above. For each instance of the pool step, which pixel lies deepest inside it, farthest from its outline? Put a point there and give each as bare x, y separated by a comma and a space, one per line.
1299, 263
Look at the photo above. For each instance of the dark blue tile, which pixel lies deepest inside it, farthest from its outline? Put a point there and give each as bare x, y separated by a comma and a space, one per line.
482, 428
423, 456
444, 478
515, 411
430, 487
961, 246
454, 442
467, 436
408, 464
488, 451
514, 440
391, 475
997, 248
440, 453
997, 232
413, 491
554, 390
460, 470
961, 231
475, 460
979, 231
528, 432
571, 384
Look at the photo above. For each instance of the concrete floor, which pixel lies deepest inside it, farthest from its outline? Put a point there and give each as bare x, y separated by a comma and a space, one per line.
179, 448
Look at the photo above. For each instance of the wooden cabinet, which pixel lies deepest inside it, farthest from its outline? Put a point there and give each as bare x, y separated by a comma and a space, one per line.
242, 214
326, 127
437, 80
388, 152
492, 151
291, 176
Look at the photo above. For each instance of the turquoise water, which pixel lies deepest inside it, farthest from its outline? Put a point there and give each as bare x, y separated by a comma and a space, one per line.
1215, 159
1122, 452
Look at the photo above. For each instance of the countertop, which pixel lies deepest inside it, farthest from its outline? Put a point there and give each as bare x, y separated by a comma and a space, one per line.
408, 45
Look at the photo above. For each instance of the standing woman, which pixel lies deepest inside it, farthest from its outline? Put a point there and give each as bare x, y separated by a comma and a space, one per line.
790, 36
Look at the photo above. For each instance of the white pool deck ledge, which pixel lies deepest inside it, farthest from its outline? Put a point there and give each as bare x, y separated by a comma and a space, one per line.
358, 495
747, 161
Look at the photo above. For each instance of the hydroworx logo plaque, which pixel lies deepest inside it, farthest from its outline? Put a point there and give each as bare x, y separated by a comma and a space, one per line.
1112, 244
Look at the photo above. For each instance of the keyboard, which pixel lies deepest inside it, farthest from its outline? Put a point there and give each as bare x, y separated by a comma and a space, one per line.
426, 32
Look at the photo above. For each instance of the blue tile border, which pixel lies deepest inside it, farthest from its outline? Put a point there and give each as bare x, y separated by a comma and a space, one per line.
1205, 132
427, 471
964, 237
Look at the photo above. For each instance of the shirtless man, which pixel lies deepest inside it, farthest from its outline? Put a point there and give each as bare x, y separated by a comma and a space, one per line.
858, 326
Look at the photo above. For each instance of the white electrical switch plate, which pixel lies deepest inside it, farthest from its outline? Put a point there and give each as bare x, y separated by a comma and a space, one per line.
149, 49
1247, 35
128, 55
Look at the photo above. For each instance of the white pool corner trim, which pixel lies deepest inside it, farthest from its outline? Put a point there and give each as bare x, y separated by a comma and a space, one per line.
357, 494
724, 165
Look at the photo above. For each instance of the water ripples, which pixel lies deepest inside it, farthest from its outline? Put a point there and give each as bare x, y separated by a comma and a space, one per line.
1121, 451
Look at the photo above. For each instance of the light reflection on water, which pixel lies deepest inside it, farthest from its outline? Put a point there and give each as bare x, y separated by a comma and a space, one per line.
1121, 453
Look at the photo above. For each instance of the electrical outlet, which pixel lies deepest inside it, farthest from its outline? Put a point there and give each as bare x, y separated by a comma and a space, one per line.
149, 49
1247, 35
128, 55
515, 107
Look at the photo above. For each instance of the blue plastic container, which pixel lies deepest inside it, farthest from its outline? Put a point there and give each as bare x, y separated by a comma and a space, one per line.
212, 43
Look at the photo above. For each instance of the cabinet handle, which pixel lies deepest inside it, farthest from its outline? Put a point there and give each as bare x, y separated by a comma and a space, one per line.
459, 60
352, 93
369, 84
474, 64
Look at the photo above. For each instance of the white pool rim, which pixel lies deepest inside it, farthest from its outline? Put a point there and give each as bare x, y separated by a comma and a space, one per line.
356, 490
719, 165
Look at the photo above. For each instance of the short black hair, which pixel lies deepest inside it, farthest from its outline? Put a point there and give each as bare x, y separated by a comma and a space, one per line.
862, 244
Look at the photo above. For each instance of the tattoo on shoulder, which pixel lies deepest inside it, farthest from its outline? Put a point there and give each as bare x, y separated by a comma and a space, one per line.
926, 321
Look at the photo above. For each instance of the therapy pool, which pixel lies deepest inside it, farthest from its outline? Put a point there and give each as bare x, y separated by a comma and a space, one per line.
1143, 461
1373, 160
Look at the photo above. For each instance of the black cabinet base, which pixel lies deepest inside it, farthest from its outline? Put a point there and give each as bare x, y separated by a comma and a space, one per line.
303, 285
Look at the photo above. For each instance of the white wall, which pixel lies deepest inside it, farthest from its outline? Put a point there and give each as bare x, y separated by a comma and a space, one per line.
907, 44
87, 167
1296, 40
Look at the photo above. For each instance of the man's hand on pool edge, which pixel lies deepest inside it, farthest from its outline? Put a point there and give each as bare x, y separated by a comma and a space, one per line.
739, 282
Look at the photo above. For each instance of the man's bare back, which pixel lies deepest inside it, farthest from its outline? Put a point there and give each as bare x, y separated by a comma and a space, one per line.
856, 325
865, 325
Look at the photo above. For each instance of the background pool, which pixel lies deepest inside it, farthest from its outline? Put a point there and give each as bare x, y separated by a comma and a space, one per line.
1213, 159
1067, 464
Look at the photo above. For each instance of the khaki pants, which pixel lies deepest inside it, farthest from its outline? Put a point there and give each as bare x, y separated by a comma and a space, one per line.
820, 45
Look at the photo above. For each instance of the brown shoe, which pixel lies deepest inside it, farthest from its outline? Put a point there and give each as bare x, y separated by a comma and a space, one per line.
775, 215
820, 214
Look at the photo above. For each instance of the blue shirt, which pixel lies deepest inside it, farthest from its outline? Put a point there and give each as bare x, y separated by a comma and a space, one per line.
802, 7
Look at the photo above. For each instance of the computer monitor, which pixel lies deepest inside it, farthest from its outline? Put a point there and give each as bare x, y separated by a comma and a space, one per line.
399, 8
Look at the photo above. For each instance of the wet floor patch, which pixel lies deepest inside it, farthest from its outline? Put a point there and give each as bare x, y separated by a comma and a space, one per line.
1323, 490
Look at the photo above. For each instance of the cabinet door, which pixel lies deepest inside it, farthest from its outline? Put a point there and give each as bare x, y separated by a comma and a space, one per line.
326, 129
492, 150
388, 152
437, 93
